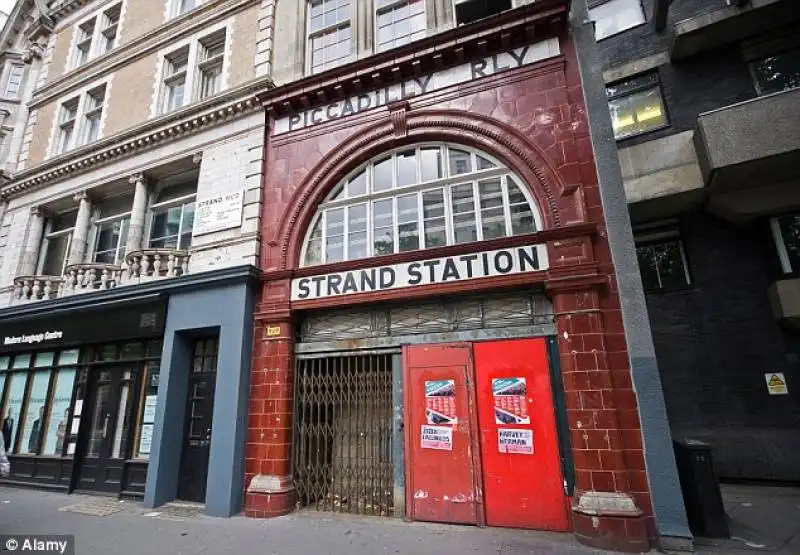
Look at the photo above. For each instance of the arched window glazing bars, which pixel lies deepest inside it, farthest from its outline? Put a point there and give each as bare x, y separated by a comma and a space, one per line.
419, 197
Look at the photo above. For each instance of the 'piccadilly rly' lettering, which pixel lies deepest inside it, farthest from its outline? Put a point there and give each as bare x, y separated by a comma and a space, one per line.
476, 69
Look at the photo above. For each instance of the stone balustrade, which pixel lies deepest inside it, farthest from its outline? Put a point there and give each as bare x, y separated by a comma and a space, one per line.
91, 276
36, 288
139, 266
151, 264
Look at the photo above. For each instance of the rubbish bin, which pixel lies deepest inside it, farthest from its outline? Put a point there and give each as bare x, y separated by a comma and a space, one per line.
704, 507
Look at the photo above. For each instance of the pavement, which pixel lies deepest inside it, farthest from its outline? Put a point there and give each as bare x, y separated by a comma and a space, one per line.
106, 526
762, 519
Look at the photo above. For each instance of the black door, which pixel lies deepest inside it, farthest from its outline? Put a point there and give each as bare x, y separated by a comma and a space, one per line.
109, 397
197, 443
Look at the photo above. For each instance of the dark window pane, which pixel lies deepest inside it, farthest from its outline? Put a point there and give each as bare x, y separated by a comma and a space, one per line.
630, 85
56, 255
778, 73
790, 232
662, 266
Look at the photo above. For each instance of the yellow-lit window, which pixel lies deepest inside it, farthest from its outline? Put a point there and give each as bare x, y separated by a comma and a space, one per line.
636, 106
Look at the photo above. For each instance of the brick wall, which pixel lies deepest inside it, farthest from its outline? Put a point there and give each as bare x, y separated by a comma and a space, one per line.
715, 341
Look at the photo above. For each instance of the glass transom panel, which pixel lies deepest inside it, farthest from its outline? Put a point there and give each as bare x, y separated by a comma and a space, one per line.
419, 197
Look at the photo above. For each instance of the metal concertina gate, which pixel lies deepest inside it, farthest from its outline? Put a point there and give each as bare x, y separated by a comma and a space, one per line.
343, 433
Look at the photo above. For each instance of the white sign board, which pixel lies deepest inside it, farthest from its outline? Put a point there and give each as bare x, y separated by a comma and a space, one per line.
218, 212
515, 441
501, 262
417, 86
149, 415
437, 437
146, 440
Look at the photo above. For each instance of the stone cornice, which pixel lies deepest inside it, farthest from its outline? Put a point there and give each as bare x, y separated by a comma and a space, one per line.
140, 46
192, 119
60, 10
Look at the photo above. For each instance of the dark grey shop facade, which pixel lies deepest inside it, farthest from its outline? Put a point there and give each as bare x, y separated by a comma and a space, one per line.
119, 392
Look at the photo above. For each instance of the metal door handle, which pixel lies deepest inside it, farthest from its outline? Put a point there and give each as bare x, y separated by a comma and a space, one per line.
105, 424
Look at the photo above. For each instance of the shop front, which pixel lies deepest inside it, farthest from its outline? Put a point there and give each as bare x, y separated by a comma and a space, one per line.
439, 335
78, 392
119, 392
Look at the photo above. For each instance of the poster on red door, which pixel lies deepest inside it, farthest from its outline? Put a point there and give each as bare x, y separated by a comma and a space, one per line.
515, 441
510, 402
440, 402
437, 437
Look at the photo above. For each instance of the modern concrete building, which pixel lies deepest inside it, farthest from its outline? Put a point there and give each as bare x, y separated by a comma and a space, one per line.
129, 243
439, 334
705, 100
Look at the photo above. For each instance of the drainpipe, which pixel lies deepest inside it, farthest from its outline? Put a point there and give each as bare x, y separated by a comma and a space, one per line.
665, 491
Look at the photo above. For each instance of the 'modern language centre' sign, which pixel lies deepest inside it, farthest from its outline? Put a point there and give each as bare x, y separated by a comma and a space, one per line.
417, 86
501, 262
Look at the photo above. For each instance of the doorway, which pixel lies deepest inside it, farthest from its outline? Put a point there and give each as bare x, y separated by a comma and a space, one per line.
482, 440
109, 403
198, 424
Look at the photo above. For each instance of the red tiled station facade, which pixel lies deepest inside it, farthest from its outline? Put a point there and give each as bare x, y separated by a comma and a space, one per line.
532, 118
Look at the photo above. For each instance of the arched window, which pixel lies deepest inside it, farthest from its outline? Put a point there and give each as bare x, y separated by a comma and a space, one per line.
419, 197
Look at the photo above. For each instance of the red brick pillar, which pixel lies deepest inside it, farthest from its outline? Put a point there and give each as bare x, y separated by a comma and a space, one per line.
268, 478
603, 419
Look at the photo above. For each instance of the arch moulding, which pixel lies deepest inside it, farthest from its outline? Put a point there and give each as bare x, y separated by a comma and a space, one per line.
519, 154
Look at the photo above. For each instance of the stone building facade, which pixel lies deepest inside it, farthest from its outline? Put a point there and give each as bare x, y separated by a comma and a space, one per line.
129, 216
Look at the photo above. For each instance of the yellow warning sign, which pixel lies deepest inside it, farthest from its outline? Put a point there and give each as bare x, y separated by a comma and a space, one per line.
776, 383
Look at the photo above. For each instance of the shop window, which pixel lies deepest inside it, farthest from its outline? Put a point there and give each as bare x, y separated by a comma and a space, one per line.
36, 406
418, 198
111, 230
329, 34
636, 106
777, 73
56, 245
172, 218
148, 393
786, 234
662, 262
615, 16
60, 400
399, 22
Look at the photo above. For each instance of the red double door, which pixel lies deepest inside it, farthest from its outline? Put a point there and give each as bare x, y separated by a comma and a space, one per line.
481, 437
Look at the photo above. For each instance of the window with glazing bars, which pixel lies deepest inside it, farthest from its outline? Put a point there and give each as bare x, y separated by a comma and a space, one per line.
329, 33
419, 197
398, 22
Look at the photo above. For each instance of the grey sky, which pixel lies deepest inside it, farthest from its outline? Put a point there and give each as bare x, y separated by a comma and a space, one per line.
7, 5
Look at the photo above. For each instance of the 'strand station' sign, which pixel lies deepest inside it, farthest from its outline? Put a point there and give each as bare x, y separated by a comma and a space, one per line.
501, 262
